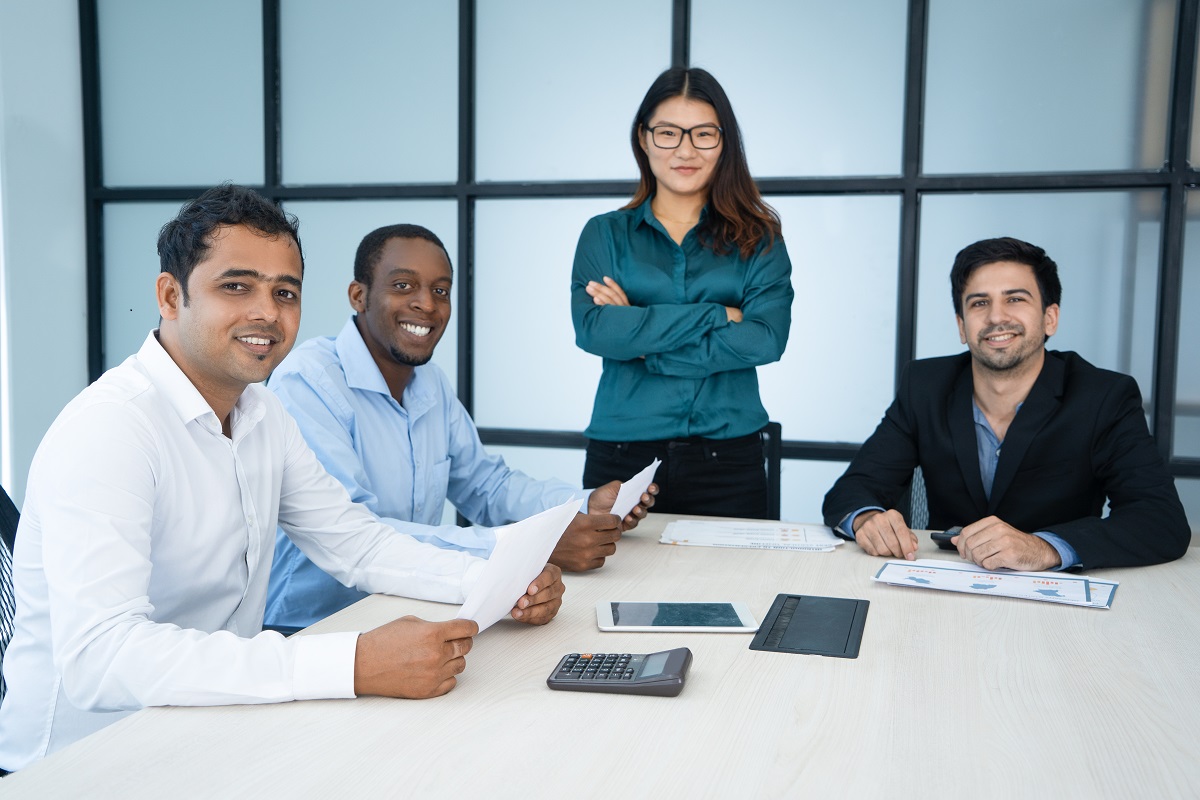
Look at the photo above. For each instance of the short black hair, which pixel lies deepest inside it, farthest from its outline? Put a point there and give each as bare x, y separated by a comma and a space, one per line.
1005, 248
371, 247
184, 241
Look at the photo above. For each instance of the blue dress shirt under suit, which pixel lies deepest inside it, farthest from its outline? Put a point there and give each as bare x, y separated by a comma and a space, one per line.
401, 460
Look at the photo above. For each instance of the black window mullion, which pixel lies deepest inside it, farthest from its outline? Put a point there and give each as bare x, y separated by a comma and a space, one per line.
93, 170
1170, 279
465, 194
272, 100
910, 209
681, 33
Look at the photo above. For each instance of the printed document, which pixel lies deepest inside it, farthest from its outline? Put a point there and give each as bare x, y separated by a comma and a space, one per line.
1048, 587
751, 535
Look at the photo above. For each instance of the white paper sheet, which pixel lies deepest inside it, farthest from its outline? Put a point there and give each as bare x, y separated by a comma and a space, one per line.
751, 535
1047, 587
521, 552
632, 490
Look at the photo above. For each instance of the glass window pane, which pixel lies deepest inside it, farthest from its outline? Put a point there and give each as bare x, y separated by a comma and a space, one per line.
839, 246
1031, 86
803, 486
543, 463
528, 371
1106, 245
130, 269
818, 87
557, 85
1187, 377
369, 91
330, 232
181, 109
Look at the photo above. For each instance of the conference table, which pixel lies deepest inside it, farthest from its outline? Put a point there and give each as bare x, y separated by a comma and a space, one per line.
952, 695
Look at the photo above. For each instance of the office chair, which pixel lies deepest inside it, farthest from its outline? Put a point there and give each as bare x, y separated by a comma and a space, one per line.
8, 609
918, 503
772, 439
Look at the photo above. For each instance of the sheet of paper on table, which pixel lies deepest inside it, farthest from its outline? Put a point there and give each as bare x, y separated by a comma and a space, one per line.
1048, 587
632, 490
751, 535
522, 550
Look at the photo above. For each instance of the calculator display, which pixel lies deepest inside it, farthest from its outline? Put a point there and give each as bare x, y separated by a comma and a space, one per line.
653, 665
710, 615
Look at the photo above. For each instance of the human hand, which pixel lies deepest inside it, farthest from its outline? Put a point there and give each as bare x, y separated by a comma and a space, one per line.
994, 544
733, 314
602, 498
607, 293
542, 599
885, 533
410, 657
587, 541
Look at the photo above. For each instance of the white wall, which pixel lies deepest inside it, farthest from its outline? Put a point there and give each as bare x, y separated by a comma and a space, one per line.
42, 214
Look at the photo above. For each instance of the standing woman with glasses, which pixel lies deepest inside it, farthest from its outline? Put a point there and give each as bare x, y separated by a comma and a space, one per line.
683, 292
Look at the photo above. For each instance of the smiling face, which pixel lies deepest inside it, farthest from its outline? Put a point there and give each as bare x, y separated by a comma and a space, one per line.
684, 171
1003, 323
241, 313
404, 312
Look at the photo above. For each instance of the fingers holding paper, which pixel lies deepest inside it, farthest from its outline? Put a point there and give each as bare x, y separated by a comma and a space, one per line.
638, 513
542, 599
885, 533
603, 498
412, 658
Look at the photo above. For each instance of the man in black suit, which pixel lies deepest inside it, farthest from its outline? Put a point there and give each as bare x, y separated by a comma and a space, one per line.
1018, 445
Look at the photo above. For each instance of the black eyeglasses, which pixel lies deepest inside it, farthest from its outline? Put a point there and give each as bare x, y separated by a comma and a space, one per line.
703, 137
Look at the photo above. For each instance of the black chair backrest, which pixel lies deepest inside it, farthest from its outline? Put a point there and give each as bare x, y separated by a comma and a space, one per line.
772, 435
9, 516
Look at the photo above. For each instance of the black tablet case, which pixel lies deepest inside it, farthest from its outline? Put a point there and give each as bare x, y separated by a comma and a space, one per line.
819, 626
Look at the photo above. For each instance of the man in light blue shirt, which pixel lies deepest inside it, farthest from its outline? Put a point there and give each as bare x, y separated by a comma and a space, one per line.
388, 425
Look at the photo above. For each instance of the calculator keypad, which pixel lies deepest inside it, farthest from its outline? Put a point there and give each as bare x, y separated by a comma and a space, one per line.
598, 667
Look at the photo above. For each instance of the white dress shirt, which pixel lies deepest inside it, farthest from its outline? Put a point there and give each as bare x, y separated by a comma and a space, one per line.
143, 554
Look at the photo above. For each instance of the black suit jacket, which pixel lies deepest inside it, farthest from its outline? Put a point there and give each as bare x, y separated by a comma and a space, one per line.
1079, 438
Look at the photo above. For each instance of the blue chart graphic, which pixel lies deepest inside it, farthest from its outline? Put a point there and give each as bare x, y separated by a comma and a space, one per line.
1049, 592
915, 579
983, 586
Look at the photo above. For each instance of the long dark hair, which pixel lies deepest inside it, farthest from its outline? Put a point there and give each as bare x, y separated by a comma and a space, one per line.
737, 216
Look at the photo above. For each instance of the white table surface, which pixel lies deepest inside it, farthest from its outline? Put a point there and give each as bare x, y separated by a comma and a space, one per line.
952, 696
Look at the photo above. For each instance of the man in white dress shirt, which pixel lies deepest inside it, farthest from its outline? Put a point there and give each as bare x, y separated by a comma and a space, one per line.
149, 521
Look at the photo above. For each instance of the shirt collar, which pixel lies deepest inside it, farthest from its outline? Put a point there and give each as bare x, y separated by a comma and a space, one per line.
648, 218
363, 373
357, 362
183, 396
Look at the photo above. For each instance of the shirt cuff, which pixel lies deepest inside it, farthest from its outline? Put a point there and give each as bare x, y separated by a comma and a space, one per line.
1066, 553
323, 666
845, 528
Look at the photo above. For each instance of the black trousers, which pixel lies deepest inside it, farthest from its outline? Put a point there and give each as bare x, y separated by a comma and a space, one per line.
715, 477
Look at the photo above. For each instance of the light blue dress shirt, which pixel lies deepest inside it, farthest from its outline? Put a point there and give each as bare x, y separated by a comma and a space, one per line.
401, 460
988, 446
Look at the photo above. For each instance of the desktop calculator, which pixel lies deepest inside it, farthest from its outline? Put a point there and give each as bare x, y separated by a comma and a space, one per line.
659, 674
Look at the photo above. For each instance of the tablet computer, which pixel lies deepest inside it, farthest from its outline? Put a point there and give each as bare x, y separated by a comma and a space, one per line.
636, 615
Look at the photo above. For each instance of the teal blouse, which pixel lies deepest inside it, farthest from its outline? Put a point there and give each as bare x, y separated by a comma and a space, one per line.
697, 377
